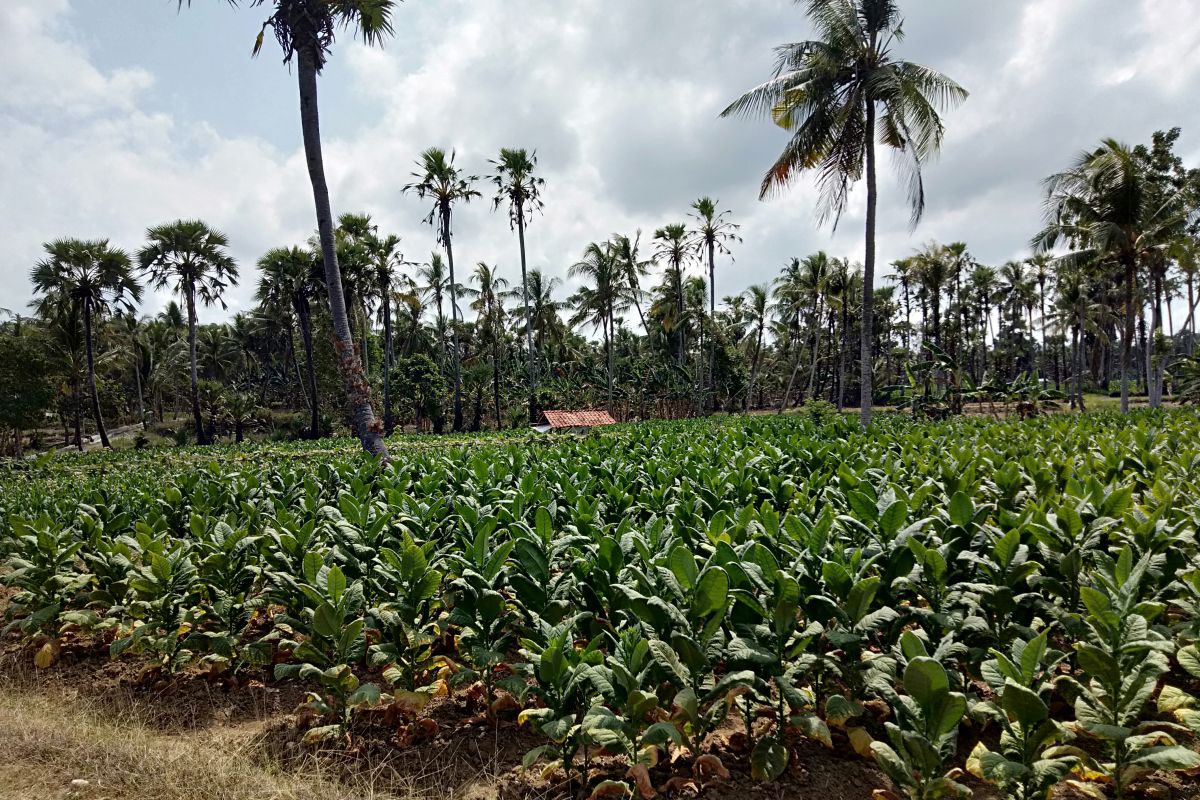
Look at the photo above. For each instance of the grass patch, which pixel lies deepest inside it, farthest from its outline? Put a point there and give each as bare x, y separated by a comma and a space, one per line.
49, 743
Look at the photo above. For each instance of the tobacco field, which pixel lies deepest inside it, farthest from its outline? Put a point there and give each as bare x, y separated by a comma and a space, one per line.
667, 607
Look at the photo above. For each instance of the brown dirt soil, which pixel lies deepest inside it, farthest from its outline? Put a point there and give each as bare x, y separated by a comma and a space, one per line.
460, 755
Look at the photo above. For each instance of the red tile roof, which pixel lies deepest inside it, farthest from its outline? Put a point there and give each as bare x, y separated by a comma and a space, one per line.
577, 419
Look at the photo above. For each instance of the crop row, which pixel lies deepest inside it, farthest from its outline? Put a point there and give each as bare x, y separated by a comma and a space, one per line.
637, 591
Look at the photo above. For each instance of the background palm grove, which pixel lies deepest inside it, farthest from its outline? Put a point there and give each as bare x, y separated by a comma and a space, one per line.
655, 320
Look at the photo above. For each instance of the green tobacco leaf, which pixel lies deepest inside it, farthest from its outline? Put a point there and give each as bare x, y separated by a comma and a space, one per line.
769, 759
962, 510
925, 680
712, 592
1023, 705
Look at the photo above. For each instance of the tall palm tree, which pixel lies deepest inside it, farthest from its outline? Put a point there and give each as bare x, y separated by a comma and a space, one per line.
598, 300
87, 279
193, 260
933, 274
489, 297
757, 298
305, 31
904, 272
386, 260
714, 233
439, 180
836, 94
1040, 264
548, 327
520, 189
435, 284
1101, 206
288, 277
983, 287
131, 330
672, 247
632, 269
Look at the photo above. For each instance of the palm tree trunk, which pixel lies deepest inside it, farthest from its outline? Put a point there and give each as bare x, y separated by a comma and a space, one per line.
1191, 316
458, 409
302, 312
815, 324
137, 379
679, 298
1130, 328
608, 355
91, 375
353, 377
388, 359
193, 375
496, 387
754, 365
866, 397
843, 366
787, 393
364, 325
1079, 369
712, 312
529, 353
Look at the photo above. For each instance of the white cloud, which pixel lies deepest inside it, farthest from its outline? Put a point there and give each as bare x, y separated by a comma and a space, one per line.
620, 99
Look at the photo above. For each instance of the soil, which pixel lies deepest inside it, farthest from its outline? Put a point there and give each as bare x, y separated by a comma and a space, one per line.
454, 753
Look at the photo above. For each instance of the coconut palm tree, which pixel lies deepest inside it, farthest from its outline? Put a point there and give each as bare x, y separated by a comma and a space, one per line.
488, 305
87, 279
548, 327
600, 298
519, 188
191, 259
757, 314
713, 233
289, 276
633, 269
439, 180
672, 247
1101, 205
838, 94
904, 272
306, 31
385, 258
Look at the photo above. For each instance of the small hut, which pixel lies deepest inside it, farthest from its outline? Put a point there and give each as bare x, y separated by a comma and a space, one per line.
573, 421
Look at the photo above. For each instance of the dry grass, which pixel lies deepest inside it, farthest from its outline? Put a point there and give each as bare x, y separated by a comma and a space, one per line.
47, 744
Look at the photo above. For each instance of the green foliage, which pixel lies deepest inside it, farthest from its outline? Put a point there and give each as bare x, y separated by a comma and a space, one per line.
636, 590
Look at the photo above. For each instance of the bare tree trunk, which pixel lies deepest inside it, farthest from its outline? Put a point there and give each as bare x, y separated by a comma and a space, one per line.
712, 312
137, 378
458, 409
388, 358
91, 376
193, 375
353, 377
314, 408
868, 306
529, 353
1127, 339
754, 366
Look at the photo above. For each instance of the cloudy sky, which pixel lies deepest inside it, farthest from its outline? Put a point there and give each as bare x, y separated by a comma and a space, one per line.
119, 114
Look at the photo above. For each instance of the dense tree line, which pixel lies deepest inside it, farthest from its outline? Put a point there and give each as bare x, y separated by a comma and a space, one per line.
345, 324
644, 335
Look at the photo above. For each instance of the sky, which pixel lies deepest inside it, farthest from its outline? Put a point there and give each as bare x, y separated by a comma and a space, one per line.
116, 115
